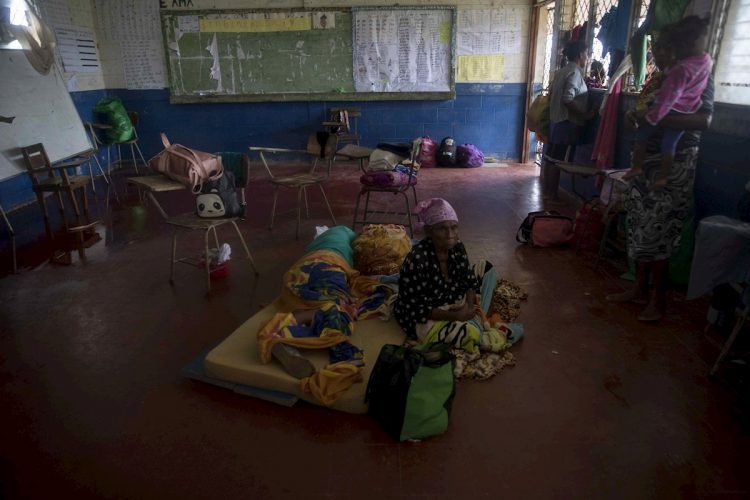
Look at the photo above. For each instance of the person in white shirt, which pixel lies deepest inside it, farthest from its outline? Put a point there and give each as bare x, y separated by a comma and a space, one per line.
568, 113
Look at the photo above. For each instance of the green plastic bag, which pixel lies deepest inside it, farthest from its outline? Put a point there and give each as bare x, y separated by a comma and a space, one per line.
411, 390
114, 115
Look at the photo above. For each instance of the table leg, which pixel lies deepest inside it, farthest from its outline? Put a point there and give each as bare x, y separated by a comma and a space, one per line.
156, 204
12, 238
728, 344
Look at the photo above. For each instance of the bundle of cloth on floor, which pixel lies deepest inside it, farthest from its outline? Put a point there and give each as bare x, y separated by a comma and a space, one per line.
326, 283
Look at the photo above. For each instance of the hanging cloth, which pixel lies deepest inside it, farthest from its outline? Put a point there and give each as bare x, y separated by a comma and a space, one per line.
614, 26
606, 136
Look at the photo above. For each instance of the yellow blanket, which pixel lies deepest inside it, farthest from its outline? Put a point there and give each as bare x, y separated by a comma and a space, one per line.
324, 282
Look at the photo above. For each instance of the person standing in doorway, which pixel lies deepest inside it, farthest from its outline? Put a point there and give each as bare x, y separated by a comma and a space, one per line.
568, 113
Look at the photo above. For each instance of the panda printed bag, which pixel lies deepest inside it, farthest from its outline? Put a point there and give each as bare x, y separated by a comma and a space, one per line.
219, 198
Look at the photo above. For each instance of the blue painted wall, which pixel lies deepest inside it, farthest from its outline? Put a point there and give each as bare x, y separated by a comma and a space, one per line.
723, 167
487, 115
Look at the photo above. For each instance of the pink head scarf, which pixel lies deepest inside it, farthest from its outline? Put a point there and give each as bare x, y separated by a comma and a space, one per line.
435, 210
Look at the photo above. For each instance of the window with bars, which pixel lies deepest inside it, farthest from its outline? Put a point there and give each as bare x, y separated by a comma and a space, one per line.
582, 12
602, 7
732, 76
550, 32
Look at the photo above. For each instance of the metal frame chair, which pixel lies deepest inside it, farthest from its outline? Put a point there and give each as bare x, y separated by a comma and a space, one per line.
302, 180
367, 189
93, 154
96, 129
191, 222
133, 143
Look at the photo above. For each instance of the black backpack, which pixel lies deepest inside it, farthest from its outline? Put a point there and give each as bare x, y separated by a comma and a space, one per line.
445, 156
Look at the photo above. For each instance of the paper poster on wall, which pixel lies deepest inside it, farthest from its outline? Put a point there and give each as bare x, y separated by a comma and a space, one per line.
402, 50
76, 43
77, 49
256, 23
134, 25
323, 20
480, 68
489, 31
128, 20
143, 64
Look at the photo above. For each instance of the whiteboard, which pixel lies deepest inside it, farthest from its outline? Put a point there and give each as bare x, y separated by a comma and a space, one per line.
43, 111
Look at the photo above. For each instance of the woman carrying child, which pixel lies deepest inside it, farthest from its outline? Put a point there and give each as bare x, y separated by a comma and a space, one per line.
656, 204
679, 92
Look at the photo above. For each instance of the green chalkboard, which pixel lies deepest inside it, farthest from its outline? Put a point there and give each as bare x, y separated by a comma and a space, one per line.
265, 65
271, 55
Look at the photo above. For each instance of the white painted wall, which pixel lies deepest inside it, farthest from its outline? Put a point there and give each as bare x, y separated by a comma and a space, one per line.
112, 75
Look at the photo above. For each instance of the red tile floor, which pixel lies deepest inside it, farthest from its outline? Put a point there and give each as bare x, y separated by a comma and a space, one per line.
598, 406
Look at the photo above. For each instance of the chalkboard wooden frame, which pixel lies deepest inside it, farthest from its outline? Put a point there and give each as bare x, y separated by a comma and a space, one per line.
309, 96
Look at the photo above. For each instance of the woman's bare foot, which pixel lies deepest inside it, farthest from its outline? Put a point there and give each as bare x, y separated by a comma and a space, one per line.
633, 295
650, 314
293, 362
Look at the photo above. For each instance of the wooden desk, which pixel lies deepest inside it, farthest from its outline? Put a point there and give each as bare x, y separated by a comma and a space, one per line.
156, 184
722, 255
575, 170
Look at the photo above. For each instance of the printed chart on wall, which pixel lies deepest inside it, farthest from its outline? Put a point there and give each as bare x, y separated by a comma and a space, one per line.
75, 35
484, 37
403, 50
134, 25
256, 54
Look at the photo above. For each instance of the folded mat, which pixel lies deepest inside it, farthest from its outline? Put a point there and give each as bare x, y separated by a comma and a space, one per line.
236, 359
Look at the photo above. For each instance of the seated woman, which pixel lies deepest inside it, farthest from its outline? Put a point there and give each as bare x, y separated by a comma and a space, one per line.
438, 287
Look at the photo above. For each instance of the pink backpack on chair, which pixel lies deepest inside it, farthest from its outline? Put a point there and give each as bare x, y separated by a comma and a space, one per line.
187, 166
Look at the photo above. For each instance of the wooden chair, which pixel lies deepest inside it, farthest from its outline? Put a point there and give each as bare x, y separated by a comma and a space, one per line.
368, 185
239, 165
46, 178
302, 180
342, 121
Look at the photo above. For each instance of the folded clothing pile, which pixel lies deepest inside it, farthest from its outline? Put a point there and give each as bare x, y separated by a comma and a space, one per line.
380, 249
